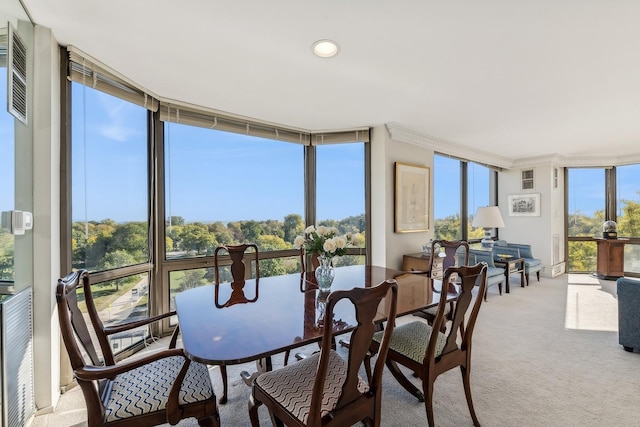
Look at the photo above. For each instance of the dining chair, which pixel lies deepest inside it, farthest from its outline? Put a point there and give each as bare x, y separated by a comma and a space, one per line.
427, 351
444, 254
162, 387
324, 389
237, 274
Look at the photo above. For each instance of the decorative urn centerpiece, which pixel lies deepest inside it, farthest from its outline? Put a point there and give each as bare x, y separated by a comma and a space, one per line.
324, 242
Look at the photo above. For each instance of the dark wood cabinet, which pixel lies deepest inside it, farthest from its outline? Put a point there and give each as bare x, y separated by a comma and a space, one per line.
610, 258
420, 263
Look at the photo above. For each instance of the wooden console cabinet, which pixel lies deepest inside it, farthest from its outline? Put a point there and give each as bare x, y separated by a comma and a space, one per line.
610, 258
420, 263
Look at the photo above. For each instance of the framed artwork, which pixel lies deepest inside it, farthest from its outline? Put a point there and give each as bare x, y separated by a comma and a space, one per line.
524, 204
411, 198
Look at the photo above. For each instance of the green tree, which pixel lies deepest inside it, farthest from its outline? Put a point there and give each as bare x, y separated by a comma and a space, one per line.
251, 230
448, 228
175, 220
131, 237
221, 232
272, 267
629, 221
6, 255
117, 259
196, 237
191, 279
293, 226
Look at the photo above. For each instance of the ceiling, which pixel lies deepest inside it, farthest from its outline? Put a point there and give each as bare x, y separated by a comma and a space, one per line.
521, 79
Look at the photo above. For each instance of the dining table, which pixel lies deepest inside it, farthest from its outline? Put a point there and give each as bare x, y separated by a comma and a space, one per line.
233, 323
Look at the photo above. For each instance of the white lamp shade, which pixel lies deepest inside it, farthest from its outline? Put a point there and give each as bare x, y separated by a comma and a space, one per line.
488, 217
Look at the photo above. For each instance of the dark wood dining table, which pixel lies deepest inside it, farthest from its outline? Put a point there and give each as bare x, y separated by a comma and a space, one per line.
283, 315
240, 322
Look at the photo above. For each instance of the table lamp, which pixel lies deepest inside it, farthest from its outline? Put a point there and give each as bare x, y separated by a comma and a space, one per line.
488, 217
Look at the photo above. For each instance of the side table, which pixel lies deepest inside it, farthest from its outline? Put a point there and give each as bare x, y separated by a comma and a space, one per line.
511, 266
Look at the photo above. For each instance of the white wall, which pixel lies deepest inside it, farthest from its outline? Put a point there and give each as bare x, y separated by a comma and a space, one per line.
388, 246
538, 231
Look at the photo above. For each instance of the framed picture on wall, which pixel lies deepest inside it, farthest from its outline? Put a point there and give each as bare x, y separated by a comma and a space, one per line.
411, 198
524, 204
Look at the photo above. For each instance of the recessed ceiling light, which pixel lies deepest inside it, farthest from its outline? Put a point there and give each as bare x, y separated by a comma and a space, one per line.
325, 48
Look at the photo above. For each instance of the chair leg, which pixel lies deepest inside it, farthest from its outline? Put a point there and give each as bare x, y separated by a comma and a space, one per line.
253, 411
466, 377
223, 374
427, 388
538, 275
527, 277
402, 380
211, 421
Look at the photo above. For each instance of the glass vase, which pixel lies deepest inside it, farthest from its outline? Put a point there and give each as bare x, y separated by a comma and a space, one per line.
324, 273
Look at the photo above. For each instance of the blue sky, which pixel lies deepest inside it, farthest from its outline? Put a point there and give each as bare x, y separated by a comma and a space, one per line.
214, 176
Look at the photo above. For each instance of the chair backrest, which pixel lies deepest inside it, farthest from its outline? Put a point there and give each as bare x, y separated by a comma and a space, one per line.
525, 250
449, 251
366, 302
478, 255
458, 335
76, 333
236, 253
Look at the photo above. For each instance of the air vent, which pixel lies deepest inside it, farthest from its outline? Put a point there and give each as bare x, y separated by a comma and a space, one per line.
527, 179
17, 64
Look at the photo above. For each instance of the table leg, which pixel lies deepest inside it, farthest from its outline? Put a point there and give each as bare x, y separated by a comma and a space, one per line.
507, 273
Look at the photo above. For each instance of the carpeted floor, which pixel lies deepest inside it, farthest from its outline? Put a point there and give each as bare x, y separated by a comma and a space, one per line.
545, 355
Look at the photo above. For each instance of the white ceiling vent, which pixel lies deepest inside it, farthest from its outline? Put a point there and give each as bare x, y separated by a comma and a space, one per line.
17, 76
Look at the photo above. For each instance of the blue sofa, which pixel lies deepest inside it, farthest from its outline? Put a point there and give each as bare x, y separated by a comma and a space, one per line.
628, 313
495, 275
531, 264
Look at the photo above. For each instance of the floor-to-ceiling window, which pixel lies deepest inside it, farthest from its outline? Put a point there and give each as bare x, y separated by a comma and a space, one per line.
447, 198
154, 193
595, 195
628, 212
110, 203
460, 187
586, 202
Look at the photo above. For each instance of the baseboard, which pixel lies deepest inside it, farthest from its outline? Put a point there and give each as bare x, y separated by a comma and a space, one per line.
558, 269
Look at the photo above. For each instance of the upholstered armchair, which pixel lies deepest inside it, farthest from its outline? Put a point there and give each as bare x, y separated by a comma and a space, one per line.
495, 275
628, 313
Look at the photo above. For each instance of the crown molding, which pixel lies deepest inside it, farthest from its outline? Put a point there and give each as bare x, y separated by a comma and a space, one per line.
403, 134
578, 161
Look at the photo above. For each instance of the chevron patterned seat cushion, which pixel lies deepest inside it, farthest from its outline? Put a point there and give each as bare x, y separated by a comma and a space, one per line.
292, 385
146, 389
411, 339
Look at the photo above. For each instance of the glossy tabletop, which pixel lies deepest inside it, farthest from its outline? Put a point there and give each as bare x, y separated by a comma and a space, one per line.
240, 322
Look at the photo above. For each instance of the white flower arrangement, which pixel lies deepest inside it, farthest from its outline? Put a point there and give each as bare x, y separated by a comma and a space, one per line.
323, 240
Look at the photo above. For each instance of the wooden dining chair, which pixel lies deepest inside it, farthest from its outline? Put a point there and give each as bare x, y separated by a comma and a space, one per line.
239, 274
163, 387
444, 254
324, 389
427, 351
